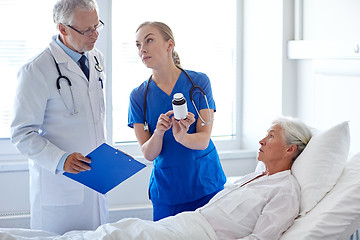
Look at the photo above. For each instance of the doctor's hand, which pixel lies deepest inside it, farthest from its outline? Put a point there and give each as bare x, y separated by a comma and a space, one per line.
76, 162
164, 122
180, 128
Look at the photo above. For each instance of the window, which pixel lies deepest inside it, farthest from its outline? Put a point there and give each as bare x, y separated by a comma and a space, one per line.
205, 35
21, 41
27, 29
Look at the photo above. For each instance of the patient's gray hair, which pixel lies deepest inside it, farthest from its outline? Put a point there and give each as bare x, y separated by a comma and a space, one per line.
63, 11
295, 133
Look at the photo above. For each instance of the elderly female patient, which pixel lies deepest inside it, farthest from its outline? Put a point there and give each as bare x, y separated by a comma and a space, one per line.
263, 205
258, 206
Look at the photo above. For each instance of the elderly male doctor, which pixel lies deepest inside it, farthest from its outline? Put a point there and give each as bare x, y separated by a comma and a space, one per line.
59, 120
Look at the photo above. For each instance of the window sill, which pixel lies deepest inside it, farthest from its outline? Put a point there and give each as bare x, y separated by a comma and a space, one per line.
16, 162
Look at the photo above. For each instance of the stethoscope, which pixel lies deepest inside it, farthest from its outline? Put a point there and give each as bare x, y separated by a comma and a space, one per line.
146, 124
98, 67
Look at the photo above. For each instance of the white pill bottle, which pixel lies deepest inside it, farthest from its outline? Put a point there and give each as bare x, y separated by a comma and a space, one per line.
179, 106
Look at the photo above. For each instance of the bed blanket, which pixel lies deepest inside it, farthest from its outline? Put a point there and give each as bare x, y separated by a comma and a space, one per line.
187, 225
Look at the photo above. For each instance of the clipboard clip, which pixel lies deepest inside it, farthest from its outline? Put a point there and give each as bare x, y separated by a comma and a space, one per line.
118, 151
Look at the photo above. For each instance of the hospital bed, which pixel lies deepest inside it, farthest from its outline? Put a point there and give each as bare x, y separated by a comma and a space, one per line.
337, 215
330, 194
330, 187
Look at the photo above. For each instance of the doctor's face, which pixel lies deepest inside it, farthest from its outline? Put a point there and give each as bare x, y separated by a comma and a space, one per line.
82, 21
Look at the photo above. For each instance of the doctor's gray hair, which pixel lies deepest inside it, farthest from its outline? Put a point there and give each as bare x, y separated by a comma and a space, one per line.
167, 34
295, 132
63, 11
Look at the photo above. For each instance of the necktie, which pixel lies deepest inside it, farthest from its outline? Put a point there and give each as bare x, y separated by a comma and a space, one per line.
83, 66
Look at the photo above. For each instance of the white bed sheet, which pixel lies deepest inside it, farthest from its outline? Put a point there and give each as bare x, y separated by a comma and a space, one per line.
184, 226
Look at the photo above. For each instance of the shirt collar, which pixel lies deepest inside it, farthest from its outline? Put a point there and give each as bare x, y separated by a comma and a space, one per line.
72, 54
279, 174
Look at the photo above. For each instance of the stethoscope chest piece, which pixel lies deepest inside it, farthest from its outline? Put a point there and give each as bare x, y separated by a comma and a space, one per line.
98, 66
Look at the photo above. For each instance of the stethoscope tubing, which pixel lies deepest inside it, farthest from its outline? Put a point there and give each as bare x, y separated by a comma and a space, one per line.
98, 67
62, 77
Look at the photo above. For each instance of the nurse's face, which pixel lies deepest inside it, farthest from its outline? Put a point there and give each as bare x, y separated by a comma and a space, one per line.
273, 147
83, 21
153, 50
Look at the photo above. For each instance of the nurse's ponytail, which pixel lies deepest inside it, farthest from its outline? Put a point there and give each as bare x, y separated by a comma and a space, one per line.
176, 58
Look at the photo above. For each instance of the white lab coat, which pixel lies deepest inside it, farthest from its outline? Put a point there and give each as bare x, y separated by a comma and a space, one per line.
43, 129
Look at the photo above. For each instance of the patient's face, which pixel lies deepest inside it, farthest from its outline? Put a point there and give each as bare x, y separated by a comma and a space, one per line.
273, 147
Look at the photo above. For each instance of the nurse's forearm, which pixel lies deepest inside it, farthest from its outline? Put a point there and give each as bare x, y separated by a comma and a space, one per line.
152, 147
196, 141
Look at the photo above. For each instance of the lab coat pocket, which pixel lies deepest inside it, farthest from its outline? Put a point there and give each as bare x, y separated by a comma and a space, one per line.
101, 93
58, 190
102, 100
101, 88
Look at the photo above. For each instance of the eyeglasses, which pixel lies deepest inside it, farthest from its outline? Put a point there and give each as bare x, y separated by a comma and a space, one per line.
87, 33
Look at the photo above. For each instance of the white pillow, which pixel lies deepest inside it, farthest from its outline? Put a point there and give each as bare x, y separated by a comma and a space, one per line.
337, 216
319, 166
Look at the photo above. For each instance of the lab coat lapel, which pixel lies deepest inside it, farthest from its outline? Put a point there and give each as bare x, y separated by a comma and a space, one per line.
62, 58
91, 62
93, 74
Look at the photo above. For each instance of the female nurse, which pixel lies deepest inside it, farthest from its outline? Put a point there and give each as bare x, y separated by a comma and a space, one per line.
187, 172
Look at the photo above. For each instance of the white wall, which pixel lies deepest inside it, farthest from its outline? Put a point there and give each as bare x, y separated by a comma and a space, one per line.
328, 80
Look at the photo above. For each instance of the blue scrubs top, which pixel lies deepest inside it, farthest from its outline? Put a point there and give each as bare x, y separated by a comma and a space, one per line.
179, 174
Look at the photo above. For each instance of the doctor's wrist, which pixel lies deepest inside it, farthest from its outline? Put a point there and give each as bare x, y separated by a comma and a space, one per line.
60, 166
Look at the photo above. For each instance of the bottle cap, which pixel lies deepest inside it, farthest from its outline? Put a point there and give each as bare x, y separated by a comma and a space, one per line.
178, 96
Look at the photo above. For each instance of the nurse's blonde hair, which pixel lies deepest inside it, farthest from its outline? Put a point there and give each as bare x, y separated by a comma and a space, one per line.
167, 34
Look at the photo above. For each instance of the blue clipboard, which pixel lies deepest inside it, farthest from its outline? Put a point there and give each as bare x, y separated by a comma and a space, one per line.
109, 168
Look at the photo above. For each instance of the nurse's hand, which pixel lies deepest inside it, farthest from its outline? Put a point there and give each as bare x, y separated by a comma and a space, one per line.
180, 128
76, 162
164, 123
